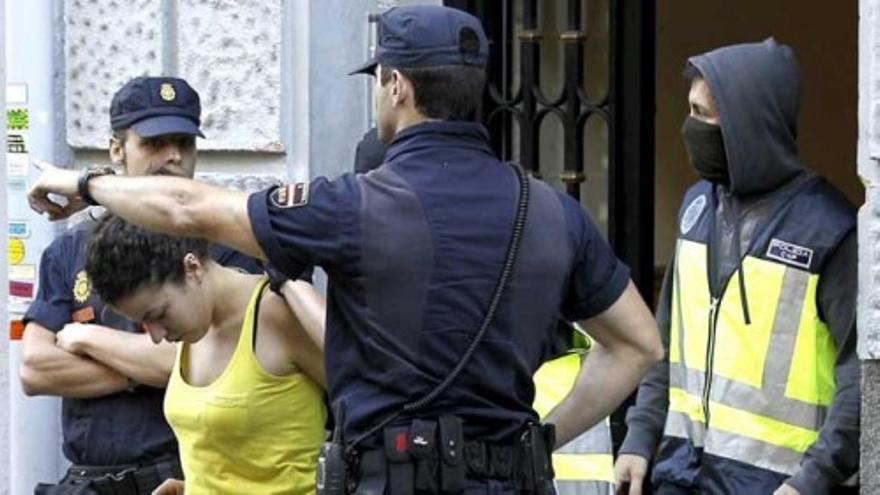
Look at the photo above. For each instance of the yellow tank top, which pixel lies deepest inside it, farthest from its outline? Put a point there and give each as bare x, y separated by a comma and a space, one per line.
248, 432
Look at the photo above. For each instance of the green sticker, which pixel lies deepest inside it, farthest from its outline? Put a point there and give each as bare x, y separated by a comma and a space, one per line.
17, 119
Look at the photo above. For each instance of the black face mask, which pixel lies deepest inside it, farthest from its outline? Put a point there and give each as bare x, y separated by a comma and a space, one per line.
705, 146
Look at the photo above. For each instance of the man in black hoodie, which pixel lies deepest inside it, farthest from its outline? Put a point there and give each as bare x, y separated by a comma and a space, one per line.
759, 393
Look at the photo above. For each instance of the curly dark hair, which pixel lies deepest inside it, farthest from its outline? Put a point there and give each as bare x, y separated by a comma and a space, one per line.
122, 258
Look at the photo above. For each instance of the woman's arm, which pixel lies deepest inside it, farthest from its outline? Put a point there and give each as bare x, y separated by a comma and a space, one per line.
283, 344
309, 307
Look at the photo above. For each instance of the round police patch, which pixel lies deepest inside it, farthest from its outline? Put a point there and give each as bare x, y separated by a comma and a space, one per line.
82, 287
692, 213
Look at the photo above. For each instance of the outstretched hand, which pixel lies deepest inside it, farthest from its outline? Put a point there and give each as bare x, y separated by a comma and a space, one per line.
58, 182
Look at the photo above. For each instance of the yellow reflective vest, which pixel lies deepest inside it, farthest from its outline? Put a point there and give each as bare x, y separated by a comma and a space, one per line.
754, 391
585, 465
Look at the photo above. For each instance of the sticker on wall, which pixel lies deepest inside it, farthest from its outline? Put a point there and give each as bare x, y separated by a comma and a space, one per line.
16, 94
16, 329
16, 251
23, 272
16, 143
17, 164
17, 185
19, 229
17, 119
18, 288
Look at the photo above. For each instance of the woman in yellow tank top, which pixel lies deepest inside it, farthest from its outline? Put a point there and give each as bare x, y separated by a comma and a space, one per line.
245, 399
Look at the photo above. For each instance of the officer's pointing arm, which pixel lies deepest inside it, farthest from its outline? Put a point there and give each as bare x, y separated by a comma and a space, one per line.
170, 205
628, 345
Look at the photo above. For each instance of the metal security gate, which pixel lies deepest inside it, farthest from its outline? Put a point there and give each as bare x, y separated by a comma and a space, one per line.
580, 121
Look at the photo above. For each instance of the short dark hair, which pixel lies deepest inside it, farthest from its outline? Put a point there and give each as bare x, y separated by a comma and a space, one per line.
446, 92
122, 258
691, 72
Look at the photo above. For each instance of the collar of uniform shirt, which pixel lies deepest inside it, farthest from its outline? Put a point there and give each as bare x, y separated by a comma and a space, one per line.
459, 134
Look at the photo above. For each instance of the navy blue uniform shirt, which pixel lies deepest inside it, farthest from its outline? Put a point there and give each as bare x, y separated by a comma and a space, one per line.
414, 250
121, 428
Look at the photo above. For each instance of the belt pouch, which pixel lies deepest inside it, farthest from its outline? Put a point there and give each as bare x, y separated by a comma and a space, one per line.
452, 466
423, 448
401, 471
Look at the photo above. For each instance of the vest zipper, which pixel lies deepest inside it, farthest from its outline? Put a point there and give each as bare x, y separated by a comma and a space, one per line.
710, 355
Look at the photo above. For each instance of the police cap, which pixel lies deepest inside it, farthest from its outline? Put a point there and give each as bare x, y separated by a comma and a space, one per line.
153, 106
419, 36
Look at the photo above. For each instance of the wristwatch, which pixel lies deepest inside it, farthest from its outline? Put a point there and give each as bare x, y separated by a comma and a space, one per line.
87, 174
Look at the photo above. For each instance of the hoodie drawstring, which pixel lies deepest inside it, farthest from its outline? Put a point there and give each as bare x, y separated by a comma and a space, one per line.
740, 269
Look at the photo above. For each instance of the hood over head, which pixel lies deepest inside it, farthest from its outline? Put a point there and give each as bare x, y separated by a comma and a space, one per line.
756, 88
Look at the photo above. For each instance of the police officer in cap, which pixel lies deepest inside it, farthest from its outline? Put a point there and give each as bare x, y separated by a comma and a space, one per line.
110, 375
585, 465
447, 271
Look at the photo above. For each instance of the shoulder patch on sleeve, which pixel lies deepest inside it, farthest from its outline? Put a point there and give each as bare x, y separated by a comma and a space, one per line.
290, 195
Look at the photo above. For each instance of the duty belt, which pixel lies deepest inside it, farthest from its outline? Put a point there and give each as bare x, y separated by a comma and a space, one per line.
433, 457
128, 479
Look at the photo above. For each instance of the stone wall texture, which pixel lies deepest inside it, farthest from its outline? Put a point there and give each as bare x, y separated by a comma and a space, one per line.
870, 457
868, 162
103, 50
869, 242
229, 50
243, 182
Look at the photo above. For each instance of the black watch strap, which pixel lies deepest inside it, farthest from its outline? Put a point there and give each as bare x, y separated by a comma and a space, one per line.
87, 174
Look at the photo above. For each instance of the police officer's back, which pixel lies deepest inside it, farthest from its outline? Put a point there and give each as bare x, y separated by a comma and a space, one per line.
414, 251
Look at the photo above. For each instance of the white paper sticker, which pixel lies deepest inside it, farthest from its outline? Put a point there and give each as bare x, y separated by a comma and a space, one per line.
17, 185
17, 164
22, 272
16, 94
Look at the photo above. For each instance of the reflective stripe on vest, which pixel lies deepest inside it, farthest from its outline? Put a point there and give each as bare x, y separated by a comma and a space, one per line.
770, 382
584, 465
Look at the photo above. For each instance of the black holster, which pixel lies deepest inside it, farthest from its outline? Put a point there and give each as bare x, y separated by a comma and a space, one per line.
536, 460
332, 473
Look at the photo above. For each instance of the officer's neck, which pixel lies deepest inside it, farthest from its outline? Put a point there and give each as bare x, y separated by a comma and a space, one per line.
408, 118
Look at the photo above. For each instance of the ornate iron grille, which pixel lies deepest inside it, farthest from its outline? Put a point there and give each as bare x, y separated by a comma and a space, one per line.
529, 105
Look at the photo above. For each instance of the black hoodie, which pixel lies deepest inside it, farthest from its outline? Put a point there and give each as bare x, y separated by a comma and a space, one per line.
756, 90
